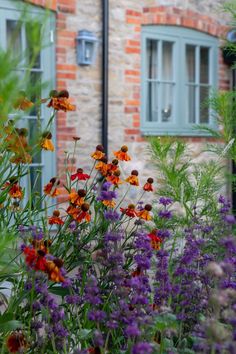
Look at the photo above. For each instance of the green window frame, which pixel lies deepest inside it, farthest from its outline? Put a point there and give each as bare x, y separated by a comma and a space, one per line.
10, 13
179, 70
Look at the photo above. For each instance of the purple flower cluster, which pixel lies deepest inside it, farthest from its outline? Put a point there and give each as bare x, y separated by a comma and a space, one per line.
105, 193
162, 285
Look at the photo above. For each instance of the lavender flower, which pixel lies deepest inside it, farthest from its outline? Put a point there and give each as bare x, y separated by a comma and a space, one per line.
142, 348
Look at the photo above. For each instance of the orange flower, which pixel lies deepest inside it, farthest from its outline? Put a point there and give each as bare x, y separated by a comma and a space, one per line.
73, 211
50, 188
130, 211
98, 154
22, 102
84, 215
133, 179
46, 142
145, 213
112, 167
53, 270
109, 203
122, 154
16, 191
148, 185
155, 240
115, 178
60, 101
55, 219
77, 198
16, 342
102, 166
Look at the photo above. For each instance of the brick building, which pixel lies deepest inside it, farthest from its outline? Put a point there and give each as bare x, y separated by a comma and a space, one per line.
164, 58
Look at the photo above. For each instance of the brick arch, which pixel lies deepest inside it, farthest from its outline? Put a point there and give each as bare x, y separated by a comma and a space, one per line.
168, 15
161, 15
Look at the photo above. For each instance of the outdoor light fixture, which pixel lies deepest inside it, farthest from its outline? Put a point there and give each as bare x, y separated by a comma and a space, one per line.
86, 47
228, 55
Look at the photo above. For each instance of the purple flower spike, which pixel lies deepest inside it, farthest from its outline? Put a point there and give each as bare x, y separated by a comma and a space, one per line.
142, 348
165, 201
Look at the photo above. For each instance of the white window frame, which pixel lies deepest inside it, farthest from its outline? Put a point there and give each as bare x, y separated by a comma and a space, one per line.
180, 37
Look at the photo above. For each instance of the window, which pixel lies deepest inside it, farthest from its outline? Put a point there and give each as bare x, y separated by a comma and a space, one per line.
15, 31
179, 69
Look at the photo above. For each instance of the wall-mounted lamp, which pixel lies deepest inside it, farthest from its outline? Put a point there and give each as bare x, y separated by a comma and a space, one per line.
86, 47
229, 55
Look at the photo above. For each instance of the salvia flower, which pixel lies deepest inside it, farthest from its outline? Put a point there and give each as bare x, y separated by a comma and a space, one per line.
165, 201
142, 348
111, 215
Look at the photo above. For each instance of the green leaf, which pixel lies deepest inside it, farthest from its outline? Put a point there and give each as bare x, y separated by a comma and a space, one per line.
8, 326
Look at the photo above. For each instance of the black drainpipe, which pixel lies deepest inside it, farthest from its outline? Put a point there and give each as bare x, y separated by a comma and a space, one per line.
105, 68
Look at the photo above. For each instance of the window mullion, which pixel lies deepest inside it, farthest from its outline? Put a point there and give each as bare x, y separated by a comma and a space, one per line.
197, 81
159, 78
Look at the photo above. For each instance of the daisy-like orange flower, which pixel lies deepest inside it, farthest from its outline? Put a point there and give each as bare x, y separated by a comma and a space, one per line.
155, 240
77, 198
113, 166
109, 203
16, 342
22, 102
80, 175
16, 191
54, 270
60, 101
102, 166
73, 211
84, 214
133, 178
46, 142
148, 185
115, 178
122, 154
98, 154
129, 211
55, 218
51, 188
145, 213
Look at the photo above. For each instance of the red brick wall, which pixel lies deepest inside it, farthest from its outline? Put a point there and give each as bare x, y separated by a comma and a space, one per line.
161, 15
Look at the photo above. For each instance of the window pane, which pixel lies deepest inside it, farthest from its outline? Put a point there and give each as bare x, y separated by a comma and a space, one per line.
33, 139
152, 102
167, 61
191, 99
204, 65
152, 47
33, 42
167, 102
191, 65
35, 90
204, 109
14, 36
